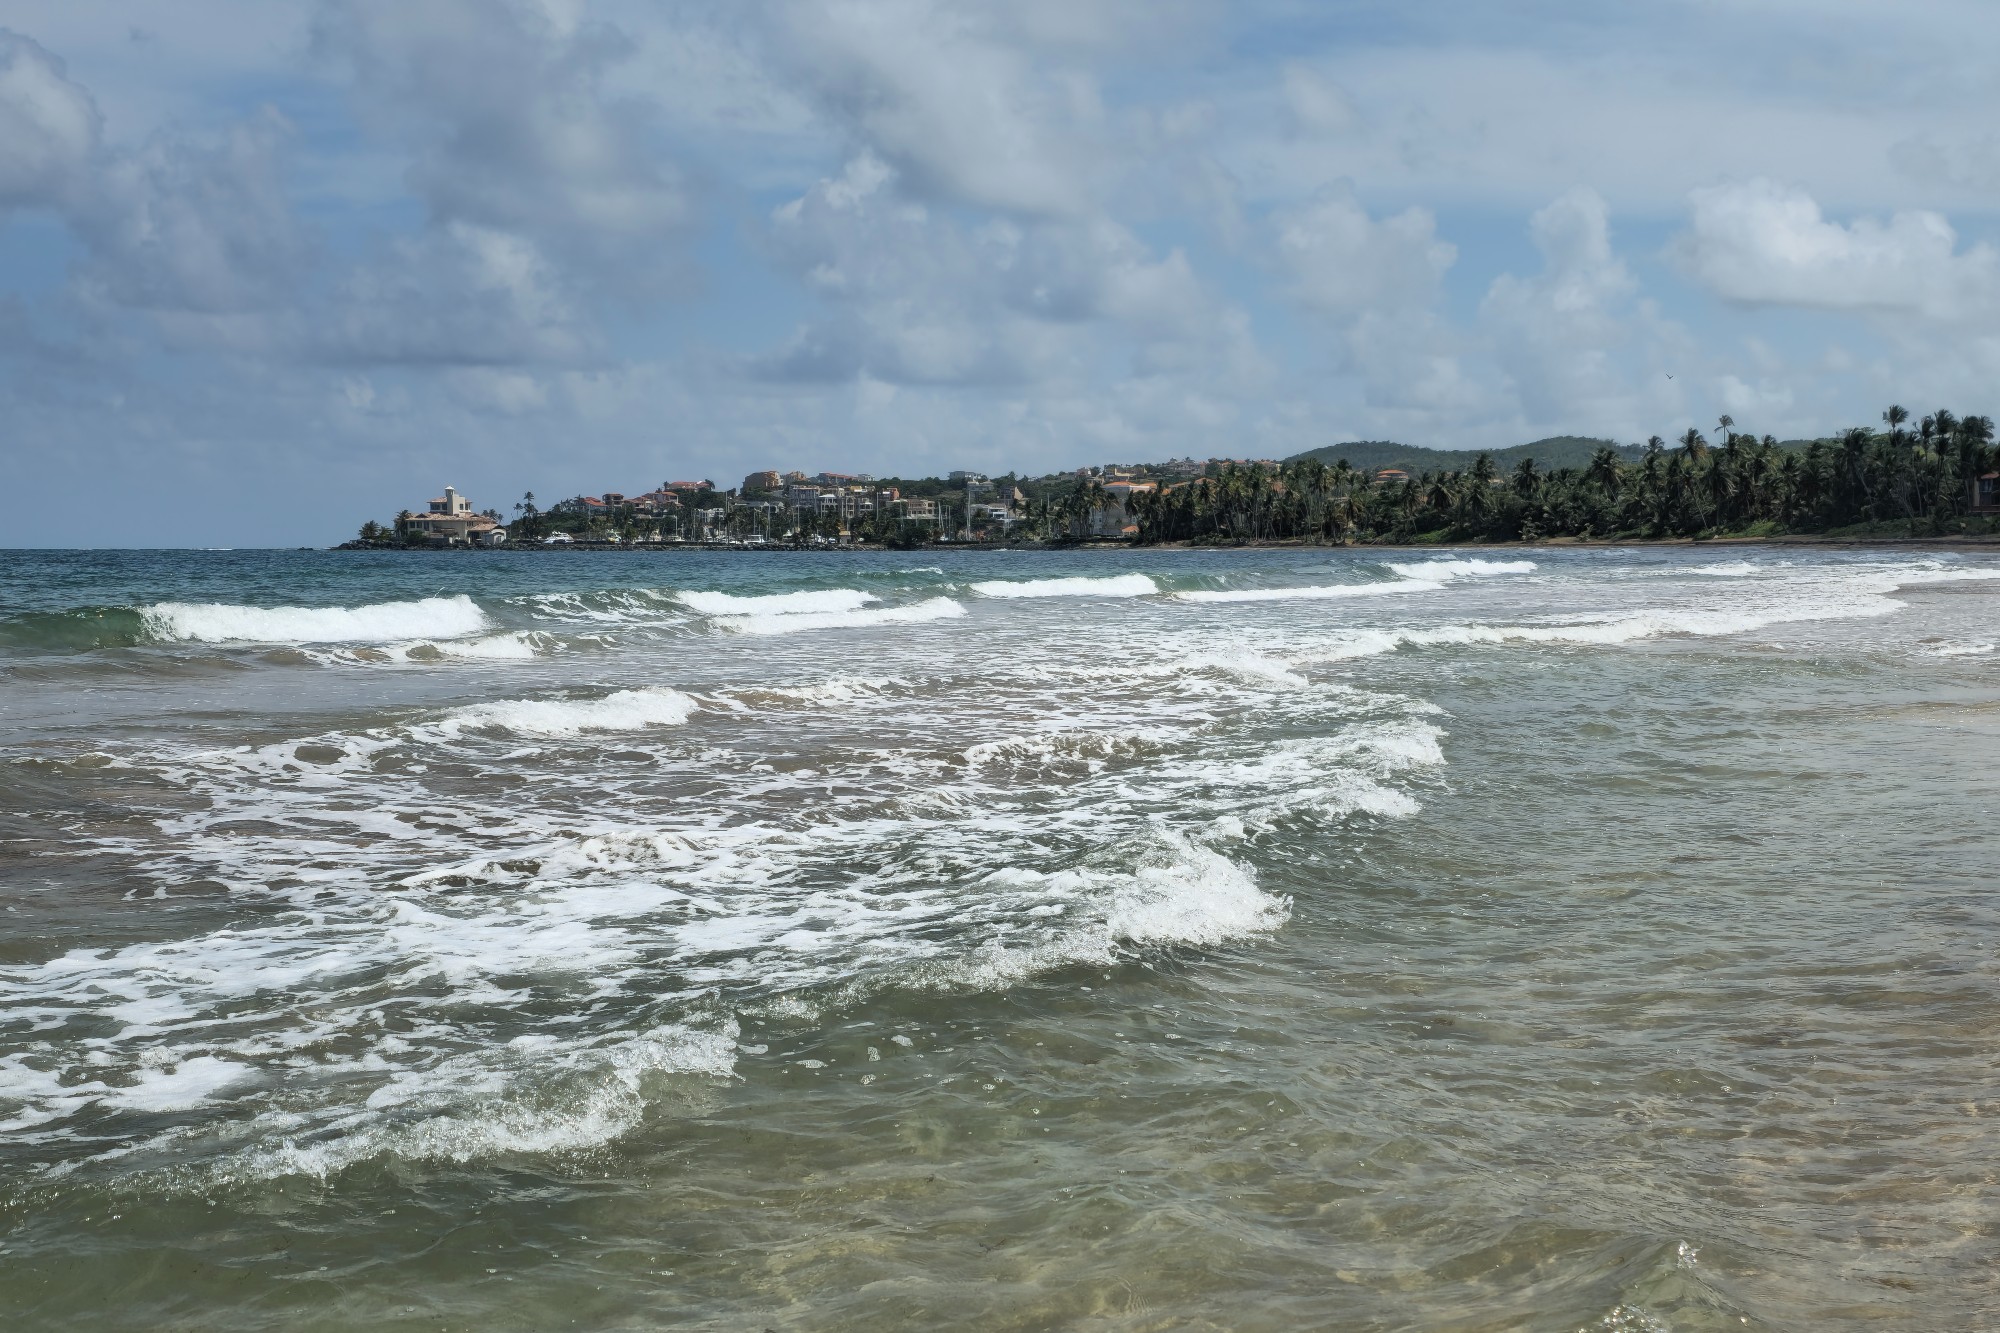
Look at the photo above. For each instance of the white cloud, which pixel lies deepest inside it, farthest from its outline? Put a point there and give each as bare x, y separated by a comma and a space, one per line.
49, 127
504, 107
914, 296
1341, 261
1759, 242
1318, 106
956, 102
183, 224
1556, 333
458, 295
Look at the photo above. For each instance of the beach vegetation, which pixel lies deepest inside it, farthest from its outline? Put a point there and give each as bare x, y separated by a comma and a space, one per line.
1931, 480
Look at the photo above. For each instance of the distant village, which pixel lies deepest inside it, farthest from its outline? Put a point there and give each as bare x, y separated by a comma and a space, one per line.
792, 509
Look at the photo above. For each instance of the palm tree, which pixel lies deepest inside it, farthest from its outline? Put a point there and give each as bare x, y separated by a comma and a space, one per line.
1603, 472
1896, 416
1854, 460
1526, 480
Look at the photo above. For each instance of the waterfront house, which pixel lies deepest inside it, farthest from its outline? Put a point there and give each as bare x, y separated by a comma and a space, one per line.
450, 519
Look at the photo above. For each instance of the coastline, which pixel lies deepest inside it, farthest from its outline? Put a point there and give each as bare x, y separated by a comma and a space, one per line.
1955, 541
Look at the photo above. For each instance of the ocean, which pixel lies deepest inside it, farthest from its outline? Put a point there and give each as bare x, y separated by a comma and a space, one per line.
1248, 939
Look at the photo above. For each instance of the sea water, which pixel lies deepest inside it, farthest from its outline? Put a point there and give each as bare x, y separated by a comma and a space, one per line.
1237, 939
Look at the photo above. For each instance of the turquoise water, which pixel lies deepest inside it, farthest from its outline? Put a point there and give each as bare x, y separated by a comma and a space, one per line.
1243, 939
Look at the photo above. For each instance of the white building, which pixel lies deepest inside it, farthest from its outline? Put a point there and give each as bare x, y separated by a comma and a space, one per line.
450, 516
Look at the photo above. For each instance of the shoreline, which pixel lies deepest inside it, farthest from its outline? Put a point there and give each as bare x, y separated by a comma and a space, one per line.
1949, 542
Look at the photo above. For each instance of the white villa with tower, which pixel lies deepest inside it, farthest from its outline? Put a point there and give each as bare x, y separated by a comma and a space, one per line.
450, 517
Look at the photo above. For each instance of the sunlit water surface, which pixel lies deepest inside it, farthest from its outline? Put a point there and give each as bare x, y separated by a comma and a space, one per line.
1246, 939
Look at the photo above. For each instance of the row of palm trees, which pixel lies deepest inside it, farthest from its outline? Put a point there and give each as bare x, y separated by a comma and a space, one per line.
1923, 478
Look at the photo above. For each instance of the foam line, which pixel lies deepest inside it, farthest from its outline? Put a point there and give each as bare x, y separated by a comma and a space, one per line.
381, 622
820, 601
1117, 585
1324, 592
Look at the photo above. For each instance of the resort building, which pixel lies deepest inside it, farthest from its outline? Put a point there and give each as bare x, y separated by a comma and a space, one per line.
450, 519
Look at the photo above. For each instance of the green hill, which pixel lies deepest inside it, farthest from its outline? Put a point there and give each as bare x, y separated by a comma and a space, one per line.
1557, 451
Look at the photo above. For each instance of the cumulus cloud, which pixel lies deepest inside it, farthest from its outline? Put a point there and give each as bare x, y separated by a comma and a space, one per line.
1341, 261
1558, 332
915, 296
1758, 242
186, 224
505, 106
458, 295
49, 127
1317, 106
949, 96
180, 225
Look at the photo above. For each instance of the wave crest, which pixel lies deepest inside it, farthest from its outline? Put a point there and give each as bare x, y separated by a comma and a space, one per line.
823, 600
627, 710
1471, 568
1311, 593
381, 622
1116, 585
935, 608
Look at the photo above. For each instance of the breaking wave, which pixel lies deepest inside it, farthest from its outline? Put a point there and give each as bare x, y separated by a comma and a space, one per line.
935, 608
1116, 585
828, 600
383, 622
1318, 593
627, 710
1462, 569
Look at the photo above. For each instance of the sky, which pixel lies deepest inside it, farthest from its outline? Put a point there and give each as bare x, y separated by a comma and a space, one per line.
269, 268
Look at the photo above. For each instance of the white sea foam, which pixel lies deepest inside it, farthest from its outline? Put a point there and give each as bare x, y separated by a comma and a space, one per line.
1462, 569
1192, 896
935, 608
535, 1095
626, 710
1088, 746
488, 932
819, 601
1255, 668
611, 606
181, 1086
1322, 592
1910, 578
382, 622
520, 646
841, 690
1116, 585
478, 911
1602, 631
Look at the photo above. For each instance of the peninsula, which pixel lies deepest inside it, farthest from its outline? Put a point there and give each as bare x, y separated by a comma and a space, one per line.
1912, 477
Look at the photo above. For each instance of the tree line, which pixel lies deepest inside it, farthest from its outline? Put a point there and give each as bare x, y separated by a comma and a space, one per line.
1920, 478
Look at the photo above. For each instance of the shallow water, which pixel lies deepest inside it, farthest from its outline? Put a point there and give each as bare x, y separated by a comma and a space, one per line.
1246, 939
